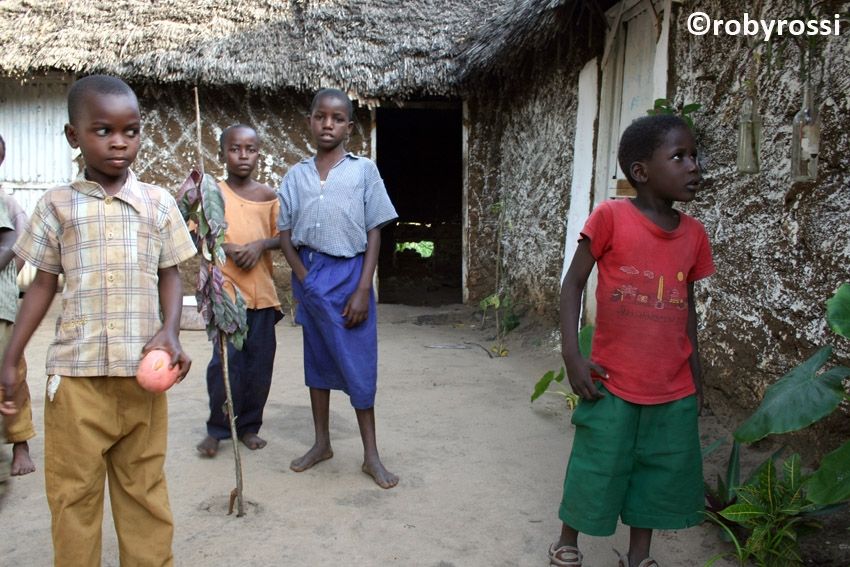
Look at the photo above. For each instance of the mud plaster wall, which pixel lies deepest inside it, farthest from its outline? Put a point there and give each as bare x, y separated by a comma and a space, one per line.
781, 250
520, 157
169, 142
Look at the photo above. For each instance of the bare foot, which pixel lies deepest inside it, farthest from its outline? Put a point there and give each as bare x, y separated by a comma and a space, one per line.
383, 477
208, 447
316, 454
253, 441
21, 462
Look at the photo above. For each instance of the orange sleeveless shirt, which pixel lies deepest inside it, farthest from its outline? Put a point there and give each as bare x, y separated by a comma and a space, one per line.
248, 221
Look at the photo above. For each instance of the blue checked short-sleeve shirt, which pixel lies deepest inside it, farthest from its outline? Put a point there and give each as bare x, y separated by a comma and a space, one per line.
110, 248
334, 218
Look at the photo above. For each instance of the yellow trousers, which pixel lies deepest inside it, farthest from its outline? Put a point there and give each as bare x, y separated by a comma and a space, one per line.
99, 428
18, 427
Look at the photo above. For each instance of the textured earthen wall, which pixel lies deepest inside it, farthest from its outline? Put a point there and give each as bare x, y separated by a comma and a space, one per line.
520, 151
781, 250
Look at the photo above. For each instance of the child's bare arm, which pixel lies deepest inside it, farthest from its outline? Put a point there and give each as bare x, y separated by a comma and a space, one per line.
357, 308
247, 255
578, 369
291, 255
35, 304
7, 241
168, 336
696, 365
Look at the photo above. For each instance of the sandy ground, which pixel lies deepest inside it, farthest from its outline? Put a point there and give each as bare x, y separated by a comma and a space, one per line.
481, 467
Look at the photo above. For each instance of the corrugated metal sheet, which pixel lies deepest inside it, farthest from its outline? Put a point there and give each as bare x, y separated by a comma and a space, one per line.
32, 118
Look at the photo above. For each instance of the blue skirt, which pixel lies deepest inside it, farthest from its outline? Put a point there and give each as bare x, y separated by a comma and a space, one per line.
336, 358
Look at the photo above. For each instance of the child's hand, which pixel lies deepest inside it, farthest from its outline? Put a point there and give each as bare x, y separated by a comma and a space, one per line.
578, 372
247, 256
357, 308
166, 341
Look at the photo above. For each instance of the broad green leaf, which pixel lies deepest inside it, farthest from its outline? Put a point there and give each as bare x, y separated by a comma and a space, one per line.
797, 400
213, 205
585, 341
838, 311
733, 470
543, 384
693, 107
830, 484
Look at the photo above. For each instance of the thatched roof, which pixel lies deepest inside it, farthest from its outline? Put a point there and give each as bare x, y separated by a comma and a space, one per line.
517, 29
371, 48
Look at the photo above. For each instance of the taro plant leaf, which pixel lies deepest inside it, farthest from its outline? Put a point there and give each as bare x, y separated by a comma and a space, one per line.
797, 400
838, 311
830, 484
585, 341
544, 382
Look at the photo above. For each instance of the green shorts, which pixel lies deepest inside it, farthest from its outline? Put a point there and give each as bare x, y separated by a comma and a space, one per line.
640, 463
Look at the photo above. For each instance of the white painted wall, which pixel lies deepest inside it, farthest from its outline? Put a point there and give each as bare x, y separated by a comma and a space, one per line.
581, 185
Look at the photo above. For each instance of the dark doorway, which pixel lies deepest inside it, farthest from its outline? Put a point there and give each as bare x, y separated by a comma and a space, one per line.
420, 156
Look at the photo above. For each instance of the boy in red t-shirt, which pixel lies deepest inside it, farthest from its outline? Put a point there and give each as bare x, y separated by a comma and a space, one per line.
636, 452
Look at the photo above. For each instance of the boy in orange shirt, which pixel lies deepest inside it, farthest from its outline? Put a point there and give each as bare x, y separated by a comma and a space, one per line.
250, 209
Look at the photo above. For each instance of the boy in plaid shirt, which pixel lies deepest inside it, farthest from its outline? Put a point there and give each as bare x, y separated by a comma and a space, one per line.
118, 242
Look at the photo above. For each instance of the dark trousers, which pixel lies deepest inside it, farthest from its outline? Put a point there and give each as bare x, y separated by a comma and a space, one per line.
250, 372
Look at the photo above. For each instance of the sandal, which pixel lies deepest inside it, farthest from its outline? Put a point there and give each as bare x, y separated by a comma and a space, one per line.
624, 561
564, 556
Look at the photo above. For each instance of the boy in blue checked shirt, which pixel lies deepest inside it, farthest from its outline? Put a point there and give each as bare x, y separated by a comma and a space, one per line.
118, 242
332, 208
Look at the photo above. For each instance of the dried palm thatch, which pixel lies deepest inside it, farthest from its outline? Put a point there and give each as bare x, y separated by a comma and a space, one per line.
370, 48
524, 27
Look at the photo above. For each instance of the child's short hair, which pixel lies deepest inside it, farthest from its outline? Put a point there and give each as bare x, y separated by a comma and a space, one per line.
642, 137
333, 93
230, 129
97, 84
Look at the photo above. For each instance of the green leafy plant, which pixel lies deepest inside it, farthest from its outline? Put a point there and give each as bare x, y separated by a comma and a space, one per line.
585, 343
200, 202
776, 512
724, 493
664, 106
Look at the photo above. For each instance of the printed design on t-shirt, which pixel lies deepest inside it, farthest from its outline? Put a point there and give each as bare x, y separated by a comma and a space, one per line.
646, 288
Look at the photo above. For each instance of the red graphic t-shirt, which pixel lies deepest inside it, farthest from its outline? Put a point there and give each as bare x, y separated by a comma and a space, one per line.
641, 336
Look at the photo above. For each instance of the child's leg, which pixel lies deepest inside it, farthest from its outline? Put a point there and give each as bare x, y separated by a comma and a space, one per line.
639, 542
372, 464
218, 425
320, 401
78, 429
19, 427
258, 364
137, 487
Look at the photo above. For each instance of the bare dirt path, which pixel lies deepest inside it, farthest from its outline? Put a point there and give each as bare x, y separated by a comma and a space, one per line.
481, 468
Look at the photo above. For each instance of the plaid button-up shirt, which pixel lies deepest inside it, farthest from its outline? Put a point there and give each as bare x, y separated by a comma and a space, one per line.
110, 249
333, 218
